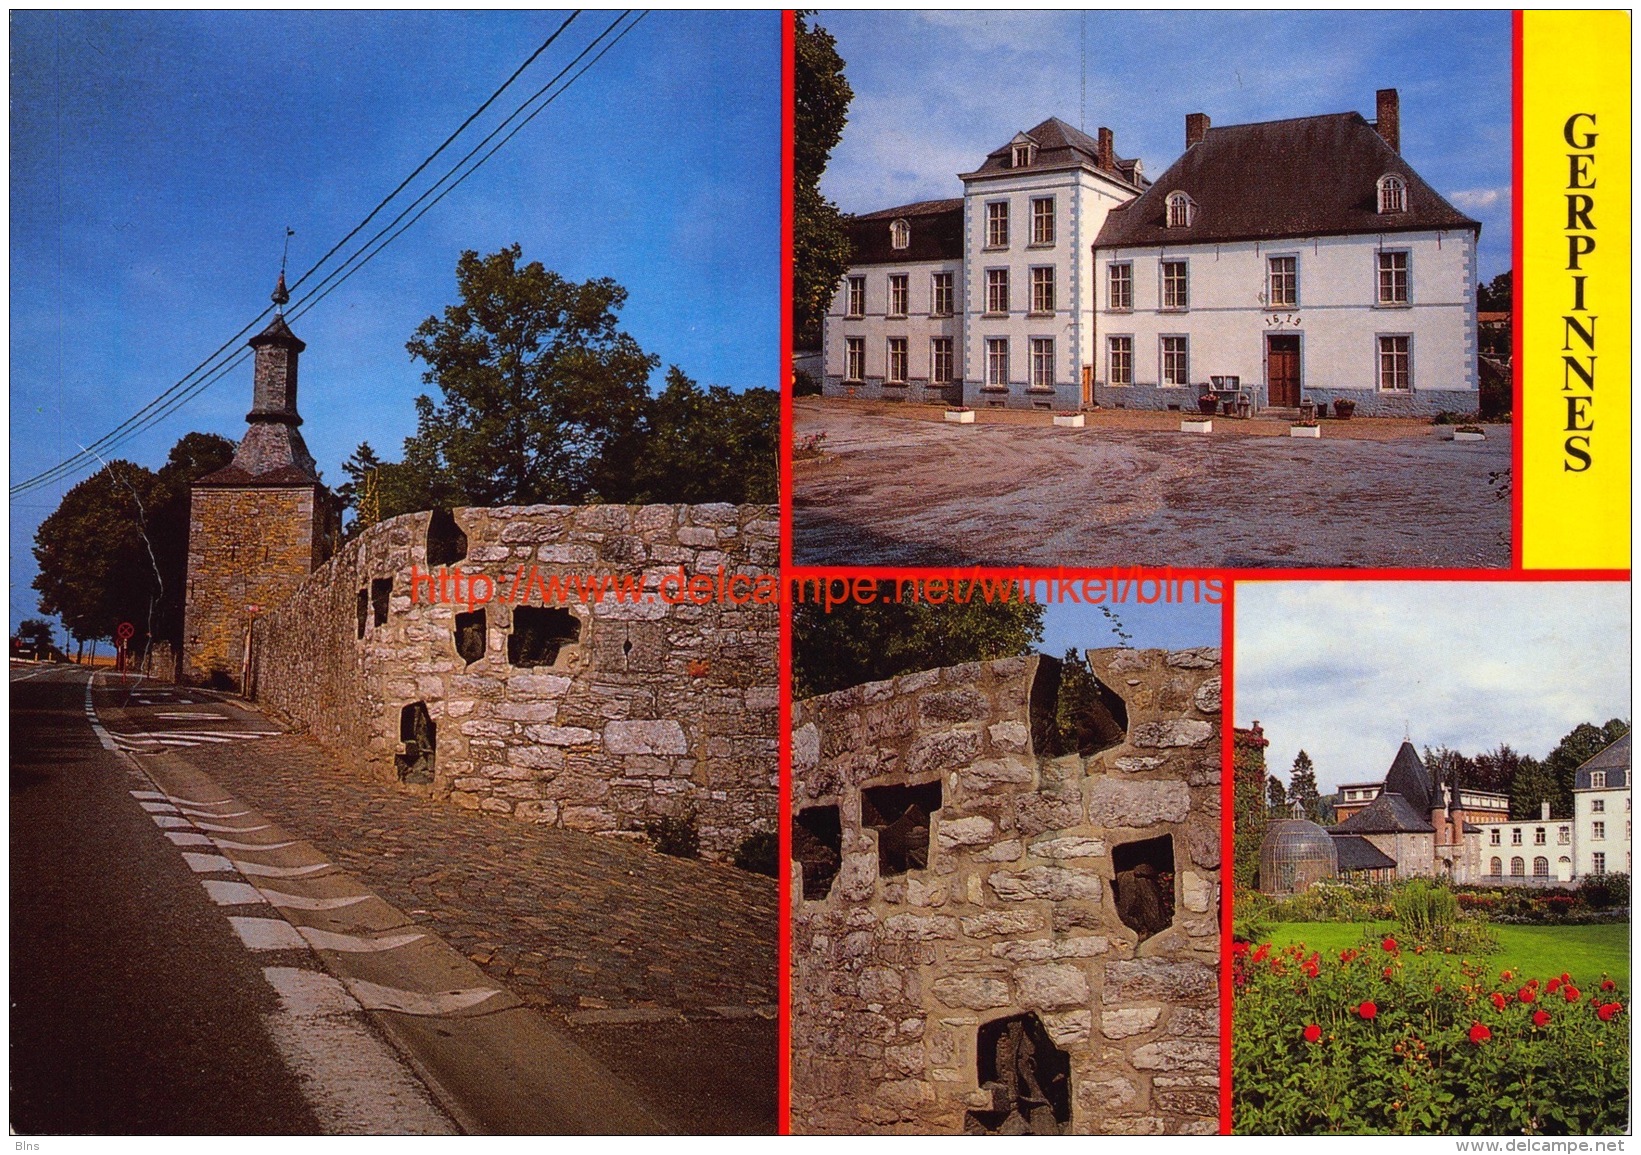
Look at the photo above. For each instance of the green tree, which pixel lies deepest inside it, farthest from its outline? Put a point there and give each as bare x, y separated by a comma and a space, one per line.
35, 636
820, 242
536, 381
1250, 813
864, 643
1277, 796
1495, 769
697, 445
1584, 742
1302, 787
1534, 783
1497, 295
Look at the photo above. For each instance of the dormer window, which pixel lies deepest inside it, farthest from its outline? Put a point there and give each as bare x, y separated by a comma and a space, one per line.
900, 235
1392, 194
1182, 210
1024, 154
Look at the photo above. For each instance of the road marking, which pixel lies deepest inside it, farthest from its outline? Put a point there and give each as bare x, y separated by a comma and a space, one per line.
188, 716
304, 902
260, 871
163, 820
159, 808
96, 724
355, 1083
353, 944
225, 893
206, 863
220, 817
233, 829
187, 838
224, 844
373, 997
266, 933
153, 795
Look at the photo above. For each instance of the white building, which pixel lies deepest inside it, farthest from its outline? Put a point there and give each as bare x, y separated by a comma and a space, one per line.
1539, 852
1601, 812
1291, 260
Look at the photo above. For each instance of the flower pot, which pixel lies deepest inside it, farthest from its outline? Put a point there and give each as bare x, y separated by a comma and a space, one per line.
960, 417
1205, 425
1463, 436
1304, 431
1069, 420
1343, 407
1208, 405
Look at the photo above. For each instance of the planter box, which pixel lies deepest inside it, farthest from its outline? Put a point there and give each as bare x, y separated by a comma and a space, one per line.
1069, 420
1469, 437
1205, 425
960, 418
1304, 431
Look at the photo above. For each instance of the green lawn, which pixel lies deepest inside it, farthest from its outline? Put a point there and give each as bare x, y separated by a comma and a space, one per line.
1585, 952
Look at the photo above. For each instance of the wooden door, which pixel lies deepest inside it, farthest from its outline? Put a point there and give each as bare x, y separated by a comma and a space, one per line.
1282, 372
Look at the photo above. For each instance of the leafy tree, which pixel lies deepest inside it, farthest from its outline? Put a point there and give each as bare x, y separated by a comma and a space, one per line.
1584, 742
1495, 769
1534, 783
1302, 787
1497, 295
1277, 795
1249, 803
865, 643
820, 242
34, 638
536, 381
696, 445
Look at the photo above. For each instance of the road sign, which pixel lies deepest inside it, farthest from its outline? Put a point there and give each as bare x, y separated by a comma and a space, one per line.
124, 631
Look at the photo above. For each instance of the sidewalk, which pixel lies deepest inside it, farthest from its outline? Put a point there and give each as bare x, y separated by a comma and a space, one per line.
662, 968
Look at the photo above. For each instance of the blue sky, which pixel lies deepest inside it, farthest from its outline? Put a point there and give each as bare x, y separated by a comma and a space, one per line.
936, 91
157, 158
1343, 670
1157, 626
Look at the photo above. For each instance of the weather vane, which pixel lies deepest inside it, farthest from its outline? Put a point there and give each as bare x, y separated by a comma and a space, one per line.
280, 293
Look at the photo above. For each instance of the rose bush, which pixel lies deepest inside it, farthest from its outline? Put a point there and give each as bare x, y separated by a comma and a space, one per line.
1397, 1039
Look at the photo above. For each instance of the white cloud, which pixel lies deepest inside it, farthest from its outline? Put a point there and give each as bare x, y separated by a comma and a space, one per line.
1482, 199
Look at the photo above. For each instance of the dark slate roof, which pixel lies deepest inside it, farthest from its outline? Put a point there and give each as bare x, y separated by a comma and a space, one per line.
1357, 853
1615, 760
272, 453
1059, 146
937, 233
1409, 778
278, 333
1310, 177
1387, 814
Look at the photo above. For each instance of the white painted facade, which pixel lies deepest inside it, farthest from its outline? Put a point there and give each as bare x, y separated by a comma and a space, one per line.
875, 325
1539, 851
1337, 317
1601, 826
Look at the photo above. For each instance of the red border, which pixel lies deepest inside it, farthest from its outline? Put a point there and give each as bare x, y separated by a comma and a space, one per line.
1517, 187
783, 1094
1227, 842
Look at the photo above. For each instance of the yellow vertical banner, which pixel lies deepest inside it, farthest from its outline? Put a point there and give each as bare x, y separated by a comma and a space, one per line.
1572, 288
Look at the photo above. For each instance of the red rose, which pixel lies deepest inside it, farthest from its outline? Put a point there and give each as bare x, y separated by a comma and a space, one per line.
1608, 985
1311, 970
1387, 972
1572, 994
1389, 944
1541, 1018
1506, 976
1526, 994
1263, 952
1313, 1034
1239, 948
1479, 1033
1553, 986
1566, 978
1608, 1010
1368, 1010
1498, 1000
1533, 983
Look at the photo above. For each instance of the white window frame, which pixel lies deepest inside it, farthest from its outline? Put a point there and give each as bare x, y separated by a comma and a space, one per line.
997, 285
1042, 363
1598, 831
1540, 836
854, 359
900, 234
1040, 282
997, 224
1393, 287
1182, 299
895, 349
1515, 836
1042, 223
856, 306
1518, 866
1598, 779
1598, 862
1119, 359
1392, 194
1597, 805
942, 285
1022, 155
1181, 210
1282, 288
1541, 873
940, 358
1383, 368
1165, 354
900, 294
1119, 275
997, 362
1497, 839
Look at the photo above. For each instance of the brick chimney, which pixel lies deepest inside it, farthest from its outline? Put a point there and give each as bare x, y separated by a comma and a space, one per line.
1389, 123
1196, 127
1107, 157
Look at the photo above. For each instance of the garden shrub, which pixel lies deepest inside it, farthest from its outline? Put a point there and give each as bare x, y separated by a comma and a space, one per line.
1388, 1039
677, 836
758, 852
1604, 891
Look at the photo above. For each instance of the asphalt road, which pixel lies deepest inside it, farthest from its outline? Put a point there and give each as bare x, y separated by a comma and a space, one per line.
134, 1008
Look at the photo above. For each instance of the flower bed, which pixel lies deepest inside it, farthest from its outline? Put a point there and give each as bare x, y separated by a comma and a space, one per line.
1378, 1039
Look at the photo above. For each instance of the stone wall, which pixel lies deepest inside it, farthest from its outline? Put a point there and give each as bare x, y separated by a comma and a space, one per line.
646, 711
906, 972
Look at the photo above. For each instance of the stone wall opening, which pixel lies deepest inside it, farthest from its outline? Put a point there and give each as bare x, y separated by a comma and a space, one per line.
381, 591
1027, 1077
472, 636
446, 543
817, 846
418, 744
539, 633
1073, 712
900, 815
362, 611
1144, 884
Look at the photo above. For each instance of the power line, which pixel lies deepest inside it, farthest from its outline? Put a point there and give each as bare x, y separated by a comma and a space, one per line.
314, 296
169, 400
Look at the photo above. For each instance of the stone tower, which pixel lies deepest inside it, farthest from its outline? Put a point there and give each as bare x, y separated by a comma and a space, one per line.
259, 525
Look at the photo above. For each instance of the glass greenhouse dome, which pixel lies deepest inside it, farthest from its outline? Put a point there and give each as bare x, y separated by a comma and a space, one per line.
1295, 854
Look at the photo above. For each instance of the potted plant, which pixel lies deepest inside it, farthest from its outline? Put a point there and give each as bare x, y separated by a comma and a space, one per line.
1208, 404
960, 414
1469, 433
1069, 419
1343, 407
1306, 428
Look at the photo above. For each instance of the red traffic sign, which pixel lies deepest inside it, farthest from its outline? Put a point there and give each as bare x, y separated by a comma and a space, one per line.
124, 631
